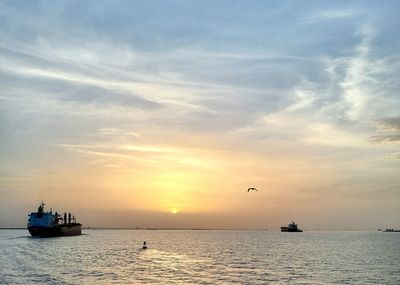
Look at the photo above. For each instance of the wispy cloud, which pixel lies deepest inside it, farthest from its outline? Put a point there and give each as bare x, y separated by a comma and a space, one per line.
340, 108
358, 77
331, 14
389, 131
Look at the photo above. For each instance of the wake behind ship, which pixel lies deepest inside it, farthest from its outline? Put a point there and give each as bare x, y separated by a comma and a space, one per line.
47, 224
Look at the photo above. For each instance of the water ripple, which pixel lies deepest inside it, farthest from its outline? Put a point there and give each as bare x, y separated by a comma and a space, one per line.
201, 257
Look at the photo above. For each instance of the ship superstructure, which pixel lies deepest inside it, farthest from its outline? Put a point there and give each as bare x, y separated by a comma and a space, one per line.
47, 224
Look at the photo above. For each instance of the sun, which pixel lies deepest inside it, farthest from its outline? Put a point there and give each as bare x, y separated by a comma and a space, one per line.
174, 211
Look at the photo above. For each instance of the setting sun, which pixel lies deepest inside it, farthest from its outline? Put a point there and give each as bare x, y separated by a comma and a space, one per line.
174, 211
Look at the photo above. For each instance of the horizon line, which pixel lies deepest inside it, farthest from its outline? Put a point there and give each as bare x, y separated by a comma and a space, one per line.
201, 229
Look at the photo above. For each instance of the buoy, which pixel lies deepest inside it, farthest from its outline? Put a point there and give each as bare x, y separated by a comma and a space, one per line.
144, 245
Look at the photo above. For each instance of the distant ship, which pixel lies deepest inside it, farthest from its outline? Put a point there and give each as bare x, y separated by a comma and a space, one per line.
391, 231
291, 228
47, 224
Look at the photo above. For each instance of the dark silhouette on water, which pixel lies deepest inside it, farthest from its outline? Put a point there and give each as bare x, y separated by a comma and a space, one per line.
291, 228
252, 188
144, 245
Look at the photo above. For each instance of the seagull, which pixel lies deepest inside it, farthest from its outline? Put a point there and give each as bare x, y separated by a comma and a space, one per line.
252, 188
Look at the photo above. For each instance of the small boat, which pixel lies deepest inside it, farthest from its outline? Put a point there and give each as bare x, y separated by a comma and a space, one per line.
47, 224
292, 227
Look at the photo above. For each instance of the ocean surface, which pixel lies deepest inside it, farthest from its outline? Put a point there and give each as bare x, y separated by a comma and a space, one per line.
201, 257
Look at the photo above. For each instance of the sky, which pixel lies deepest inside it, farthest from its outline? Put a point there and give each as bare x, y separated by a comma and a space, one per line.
163, 113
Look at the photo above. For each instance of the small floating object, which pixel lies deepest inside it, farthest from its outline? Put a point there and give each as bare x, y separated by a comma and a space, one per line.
144, 245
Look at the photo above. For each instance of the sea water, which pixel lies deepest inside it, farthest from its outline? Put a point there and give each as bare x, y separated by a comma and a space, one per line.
200, 257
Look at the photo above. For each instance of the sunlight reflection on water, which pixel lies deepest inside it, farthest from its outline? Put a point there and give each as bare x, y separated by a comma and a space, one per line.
201, 257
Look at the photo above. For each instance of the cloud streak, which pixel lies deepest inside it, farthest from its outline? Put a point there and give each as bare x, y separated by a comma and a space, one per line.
389, 130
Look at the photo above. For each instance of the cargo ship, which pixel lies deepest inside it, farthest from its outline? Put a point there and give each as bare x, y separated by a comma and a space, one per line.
47, 224
291, 228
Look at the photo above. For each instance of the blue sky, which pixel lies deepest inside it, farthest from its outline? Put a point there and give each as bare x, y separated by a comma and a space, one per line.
298, 97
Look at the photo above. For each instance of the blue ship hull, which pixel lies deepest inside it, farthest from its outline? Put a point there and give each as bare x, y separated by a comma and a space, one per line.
56, 231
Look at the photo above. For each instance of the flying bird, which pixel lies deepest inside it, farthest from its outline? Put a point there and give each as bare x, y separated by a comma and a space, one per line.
252, 188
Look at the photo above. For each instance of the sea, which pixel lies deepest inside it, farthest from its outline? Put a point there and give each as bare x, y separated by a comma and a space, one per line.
201, 257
